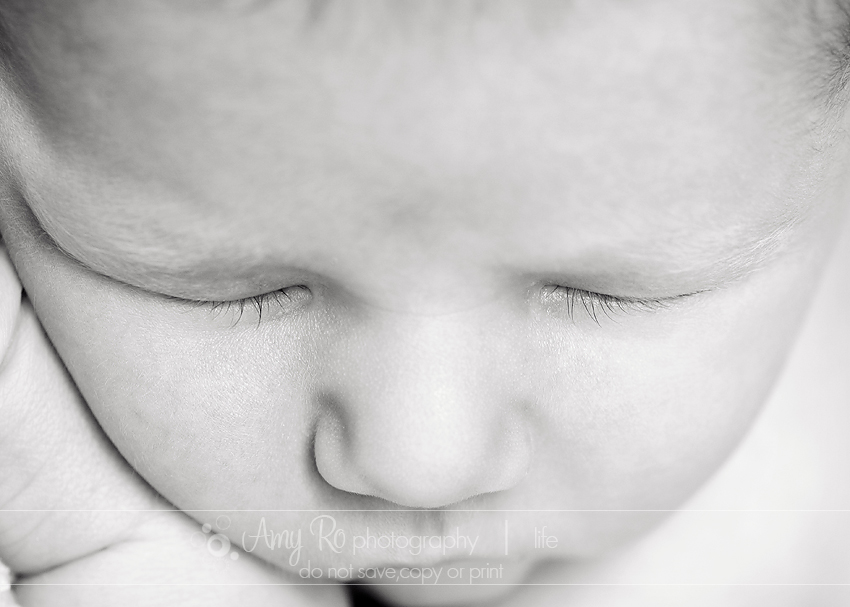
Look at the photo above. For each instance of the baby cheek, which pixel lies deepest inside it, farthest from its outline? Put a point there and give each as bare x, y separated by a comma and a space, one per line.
643, 417
206, 416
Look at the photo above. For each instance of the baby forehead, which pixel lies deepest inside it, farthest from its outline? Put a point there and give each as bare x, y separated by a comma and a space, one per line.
437, 73
601, 89
258, 138
261, 30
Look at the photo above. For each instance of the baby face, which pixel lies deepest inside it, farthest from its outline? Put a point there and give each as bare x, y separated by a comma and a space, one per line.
457, 258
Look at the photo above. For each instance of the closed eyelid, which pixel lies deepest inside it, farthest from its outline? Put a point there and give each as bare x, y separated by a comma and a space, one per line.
596, 305
280, 301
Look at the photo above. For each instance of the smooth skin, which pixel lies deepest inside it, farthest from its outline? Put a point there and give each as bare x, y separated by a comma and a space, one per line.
422, 185
75, 513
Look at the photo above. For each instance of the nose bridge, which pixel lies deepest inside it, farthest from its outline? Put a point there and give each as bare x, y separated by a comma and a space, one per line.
431, 394
423, 415
426, 365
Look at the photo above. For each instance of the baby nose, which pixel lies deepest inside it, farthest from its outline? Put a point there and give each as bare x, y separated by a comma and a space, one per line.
422, 415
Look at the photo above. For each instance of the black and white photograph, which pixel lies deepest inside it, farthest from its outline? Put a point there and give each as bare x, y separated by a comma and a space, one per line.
424, 303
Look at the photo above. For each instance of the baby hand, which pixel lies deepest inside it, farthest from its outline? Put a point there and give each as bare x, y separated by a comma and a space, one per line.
77, 524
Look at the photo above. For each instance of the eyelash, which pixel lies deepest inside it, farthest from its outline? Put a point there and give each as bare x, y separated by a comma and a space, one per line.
259, 303
595, 305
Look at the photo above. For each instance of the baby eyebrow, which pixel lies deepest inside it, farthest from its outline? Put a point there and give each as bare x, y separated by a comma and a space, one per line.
196, 281
680, 265
740, 259
702, 259
171, 274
